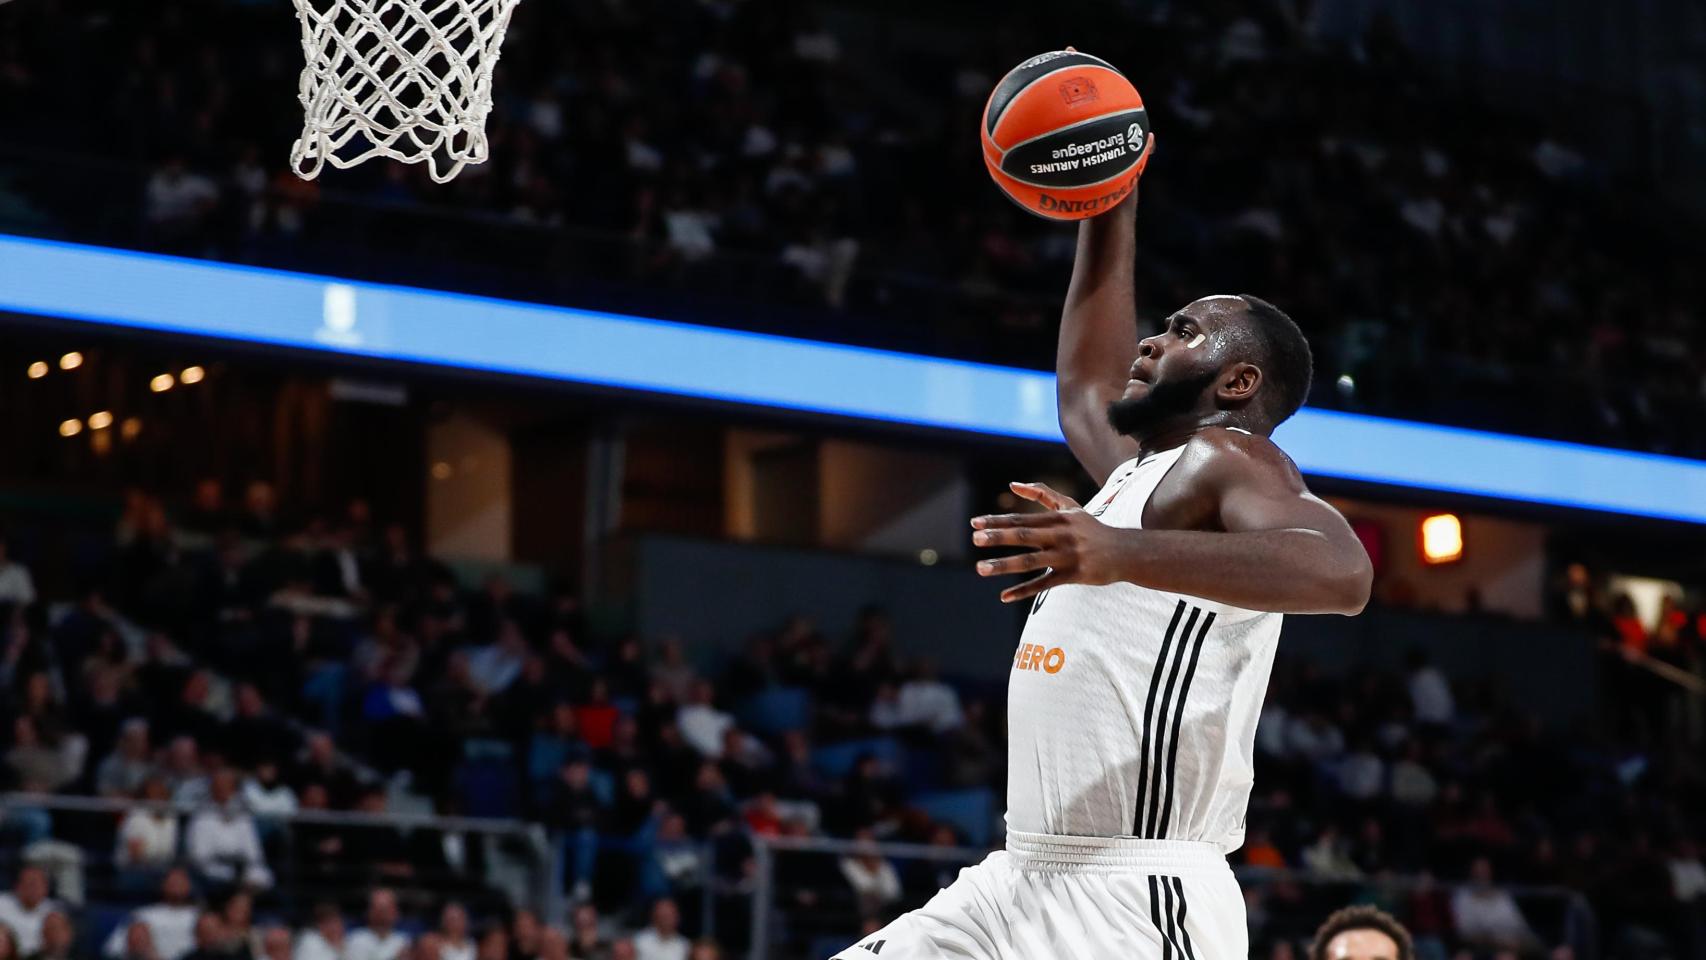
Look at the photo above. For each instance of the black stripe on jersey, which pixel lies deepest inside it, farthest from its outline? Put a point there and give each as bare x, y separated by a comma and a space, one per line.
1149, 708
1179, 888
1154, 819
1178, 717
1155, 918
1172, 931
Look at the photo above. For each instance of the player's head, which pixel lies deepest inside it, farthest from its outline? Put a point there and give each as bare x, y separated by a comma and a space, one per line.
1237, 360
1362, 933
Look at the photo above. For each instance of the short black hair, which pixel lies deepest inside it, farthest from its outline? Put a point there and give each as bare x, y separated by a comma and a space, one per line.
1282, 352
1361, 918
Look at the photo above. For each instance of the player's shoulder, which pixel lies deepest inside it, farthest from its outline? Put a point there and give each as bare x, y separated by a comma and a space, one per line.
1229, 453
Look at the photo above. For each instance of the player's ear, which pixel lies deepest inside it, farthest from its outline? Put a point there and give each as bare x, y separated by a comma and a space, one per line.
1240, 384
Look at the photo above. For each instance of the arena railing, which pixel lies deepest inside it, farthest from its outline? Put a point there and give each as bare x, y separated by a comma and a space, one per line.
488, 863
789, 920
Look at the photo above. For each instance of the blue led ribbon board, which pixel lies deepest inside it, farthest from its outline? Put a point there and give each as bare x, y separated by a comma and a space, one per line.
170, 294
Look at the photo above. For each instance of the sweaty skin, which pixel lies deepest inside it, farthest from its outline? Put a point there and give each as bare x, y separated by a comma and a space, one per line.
1232, 521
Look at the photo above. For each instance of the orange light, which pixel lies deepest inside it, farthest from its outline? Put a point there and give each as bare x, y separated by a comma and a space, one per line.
192, 375
38, 369
162, 382
71, 361
1442, 538
70, 428
100, 420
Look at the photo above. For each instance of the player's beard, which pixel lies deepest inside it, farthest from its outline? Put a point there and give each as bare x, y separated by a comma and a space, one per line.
1162, 403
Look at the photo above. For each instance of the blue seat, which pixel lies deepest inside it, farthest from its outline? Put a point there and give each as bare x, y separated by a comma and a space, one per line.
487, 787
776, 710
970, 811
838, 759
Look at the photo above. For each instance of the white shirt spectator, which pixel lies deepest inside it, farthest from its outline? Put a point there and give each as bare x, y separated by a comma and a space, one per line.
25, 924
1687, 879
1412, 784
1488, 916
368, 944
16, 585
147, 838
275, 801
1313, 741
175, 194
172, 927
312, 946
651, 945
929, 703
703, 726
1362, 775
457, 951
876, 884
222, 842
1430, 695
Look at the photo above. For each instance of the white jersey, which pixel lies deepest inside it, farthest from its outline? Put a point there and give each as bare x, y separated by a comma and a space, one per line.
1132, 712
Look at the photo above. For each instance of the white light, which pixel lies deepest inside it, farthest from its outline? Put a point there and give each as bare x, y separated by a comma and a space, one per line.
100, 420
162, 383
192, 375
1346, 383
71, 361
38, 369
70, 428
928, 557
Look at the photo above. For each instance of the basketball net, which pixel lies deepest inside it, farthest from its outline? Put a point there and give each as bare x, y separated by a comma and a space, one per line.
406, 79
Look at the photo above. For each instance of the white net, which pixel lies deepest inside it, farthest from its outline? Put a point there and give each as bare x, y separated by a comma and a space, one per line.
405, 79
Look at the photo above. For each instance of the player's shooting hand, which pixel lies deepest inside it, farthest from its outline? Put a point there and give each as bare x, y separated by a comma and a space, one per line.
1067, 544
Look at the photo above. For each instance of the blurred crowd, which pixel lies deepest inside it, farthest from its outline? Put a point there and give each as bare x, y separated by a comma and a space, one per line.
222, 672
815, 171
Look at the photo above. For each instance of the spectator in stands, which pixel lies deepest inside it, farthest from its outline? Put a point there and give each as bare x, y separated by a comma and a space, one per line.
670, 668
496, 665
239, 935
17, 587
185, 777
875, 883
380, 939
25, 907
222, 842
275, 944
266, 795
623, 948
124, 770
675, 862
37, 766
210, 939
662, 939
705, 948
325, 940
147, 838
171, 922
524, 929
139, 942
455, 944
702, 724
494, 943
1430, 692
586, 941
58, 937
928, 703
427, 946
8, 944
553, 944
1487, 917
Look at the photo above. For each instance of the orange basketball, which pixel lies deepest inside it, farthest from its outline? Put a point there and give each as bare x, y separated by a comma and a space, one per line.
1065, 135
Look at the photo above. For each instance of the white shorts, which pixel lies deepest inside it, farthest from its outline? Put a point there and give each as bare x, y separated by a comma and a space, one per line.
1068, 897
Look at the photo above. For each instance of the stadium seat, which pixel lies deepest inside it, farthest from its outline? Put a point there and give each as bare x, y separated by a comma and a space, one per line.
970, 812
838, 760
776, 711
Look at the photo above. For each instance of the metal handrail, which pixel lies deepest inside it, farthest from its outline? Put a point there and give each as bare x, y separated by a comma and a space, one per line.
351, 818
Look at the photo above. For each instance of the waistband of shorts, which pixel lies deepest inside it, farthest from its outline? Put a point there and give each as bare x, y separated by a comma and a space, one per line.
1060, 854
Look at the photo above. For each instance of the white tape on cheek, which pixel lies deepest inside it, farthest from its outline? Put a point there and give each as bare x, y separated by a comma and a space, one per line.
1196, 341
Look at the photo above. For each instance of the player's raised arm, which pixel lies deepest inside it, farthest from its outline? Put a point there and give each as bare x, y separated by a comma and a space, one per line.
1276, 547
1098, 339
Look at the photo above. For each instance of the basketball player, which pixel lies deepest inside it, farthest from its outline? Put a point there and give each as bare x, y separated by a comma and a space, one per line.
1362, 933
1156, 607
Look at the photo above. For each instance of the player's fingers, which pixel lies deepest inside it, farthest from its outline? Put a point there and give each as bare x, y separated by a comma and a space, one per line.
996, 521
1016, 537
1018, 563
1044, 494
1032, 587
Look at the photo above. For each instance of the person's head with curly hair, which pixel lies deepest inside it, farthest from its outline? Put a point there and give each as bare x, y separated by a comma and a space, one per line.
1362, 933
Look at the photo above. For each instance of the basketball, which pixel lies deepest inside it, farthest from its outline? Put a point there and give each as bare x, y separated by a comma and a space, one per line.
1065, 135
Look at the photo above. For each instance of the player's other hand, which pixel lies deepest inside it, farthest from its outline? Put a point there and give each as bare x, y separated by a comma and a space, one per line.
1067, 544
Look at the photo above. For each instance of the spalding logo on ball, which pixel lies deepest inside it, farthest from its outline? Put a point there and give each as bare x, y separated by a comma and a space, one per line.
1065, 135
